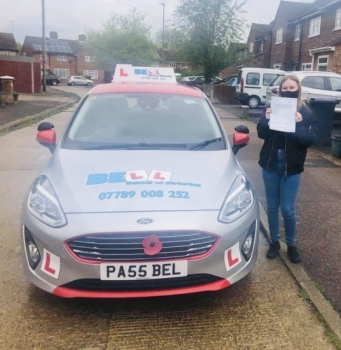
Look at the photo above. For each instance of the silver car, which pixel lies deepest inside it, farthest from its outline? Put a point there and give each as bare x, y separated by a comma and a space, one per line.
143, 196
315, 84
78, 80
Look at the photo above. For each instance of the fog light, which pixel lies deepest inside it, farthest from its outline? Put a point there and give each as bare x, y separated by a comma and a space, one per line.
33, 255
33, 252
247, 246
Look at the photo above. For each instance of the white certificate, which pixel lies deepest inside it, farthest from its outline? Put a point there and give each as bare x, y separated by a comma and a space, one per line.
282, 117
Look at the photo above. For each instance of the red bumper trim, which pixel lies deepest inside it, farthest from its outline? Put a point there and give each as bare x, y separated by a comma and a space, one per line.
74, 293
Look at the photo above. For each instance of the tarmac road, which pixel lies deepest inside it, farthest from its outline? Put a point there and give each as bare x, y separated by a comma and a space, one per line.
266, 310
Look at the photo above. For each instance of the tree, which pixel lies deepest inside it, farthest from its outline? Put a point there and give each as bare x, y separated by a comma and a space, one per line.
174, 42
123, 39
208, 27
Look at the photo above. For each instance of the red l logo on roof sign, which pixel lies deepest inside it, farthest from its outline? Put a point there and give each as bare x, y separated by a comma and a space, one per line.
123, 73
232, 257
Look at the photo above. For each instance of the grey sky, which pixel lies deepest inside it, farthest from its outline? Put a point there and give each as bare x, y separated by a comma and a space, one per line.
71, 17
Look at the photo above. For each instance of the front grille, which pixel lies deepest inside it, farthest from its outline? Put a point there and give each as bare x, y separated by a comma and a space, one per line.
142, 285
128, 246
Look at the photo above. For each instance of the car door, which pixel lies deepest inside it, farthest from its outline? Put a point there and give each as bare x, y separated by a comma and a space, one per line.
335, 90
315, 86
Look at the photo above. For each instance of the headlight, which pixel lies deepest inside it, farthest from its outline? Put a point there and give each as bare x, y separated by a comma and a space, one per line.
238, 200
44, 205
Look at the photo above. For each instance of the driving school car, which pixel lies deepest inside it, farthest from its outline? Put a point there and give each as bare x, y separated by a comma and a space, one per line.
143, 195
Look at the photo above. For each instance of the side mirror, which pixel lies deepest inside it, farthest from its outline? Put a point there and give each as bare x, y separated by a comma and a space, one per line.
240, 138
46, 136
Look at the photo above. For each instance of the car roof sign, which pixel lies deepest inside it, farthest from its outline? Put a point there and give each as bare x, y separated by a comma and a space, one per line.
128, 73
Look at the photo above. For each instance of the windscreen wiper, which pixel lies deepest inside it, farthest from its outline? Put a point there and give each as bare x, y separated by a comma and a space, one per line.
205, 143
140, 145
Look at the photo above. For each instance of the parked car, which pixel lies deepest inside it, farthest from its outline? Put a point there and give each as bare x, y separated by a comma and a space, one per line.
79, 80
196, 81
231, 80
315, 84
252, 83
187, 220
51, 79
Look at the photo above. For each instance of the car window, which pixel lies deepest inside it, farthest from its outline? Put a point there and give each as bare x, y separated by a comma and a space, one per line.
252, 79
268, 78
335, 83
277, 80
316, 82
142, 118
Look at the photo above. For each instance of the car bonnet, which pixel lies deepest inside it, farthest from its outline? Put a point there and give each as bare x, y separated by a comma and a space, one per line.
121, 181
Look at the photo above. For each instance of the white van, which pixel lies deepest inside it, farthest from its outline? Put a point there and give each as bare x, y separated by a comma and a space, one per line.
252, 83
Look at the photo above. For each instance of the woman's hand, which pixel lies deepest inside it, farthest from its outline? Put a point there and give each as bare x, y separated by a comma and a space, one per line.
298, 117
268, 112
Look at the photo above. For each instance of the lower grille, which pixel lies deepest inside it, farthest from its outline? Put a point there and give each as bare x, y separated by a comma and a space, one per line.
144, 285
128, 246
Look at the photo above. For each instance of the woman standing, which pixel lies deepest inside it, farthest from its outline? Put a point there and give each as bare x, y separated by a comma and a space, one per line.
282, 160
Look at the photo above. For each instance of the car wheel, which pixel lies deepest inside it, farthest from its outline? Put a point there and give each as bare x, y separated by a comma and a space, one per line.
72, 83
88, 84
54, 82
253, 101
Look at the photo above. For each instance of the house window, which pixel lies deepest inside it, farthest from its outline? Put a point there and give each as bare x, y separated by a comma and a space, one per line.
298, 32
307, 66
41, 56
172, 64
92, 73
262, 46
61, 73
279, 35
61, 58
322, 63
276, 66
338, 19
251, 47
314, 28
90, 59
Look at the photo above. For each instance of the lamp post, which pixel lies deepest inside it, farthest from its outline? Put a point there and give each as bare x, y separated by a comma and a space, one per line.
44, 48
163, 29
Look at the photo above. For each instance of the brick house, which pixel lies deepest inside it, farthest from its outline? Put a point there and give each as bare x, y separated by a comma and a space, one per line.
8, 45
64, 57
303, 36
259, 45
319, 45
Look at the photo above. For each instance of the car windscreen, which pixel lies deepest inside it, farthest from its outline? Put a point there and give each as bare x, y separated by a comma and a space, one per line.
142, 120
277, 80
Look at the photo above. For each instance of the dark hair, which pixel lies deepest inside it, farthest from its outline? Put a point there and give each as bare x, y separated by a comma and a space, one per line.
294, 78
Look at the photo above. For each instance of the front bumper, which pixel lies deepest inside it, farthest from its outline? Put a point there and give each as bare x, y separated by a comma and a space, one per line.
209, 272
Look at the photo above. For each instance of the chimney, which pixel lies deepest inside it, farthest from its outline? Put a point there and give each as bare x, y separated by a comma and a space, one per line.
82, 37
53, 35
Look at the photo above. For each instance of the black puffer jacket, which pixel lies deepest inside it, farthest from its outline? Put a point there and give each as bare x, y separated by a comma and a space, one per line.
296, 144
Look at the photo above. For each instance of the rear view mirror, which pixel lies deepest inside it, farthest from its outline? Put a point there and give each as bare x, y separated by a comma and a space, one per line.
240, 138
46, 136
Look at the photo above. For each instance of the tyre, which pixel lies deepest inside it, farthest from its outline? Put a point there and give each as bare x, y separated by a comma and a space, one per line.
88, 84
54, 82
253, 101
72, 84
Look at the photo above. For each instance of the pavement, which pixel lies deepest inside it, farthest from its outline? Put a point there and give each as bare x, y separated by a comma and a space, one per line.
283, 319
31, 106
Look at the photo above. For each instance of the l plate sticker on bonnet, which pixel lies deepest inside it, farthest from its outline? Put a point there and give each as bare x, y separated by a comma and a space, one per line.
232, 257
50, 264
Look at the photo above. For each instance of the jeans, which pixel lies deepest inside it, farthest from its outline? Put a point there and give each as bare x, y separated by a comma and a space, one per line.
281, 192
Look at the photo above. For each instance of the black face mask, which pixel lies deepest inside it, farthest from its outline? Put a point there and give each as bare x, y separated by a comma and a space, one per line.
290, 94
